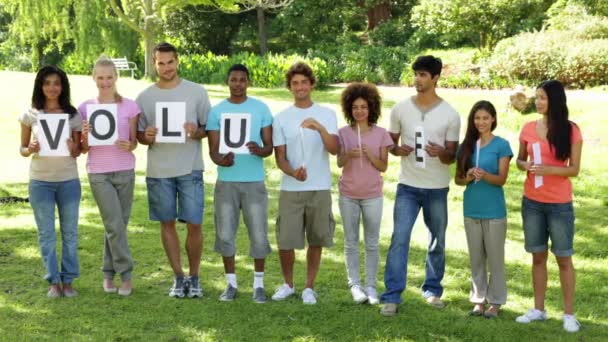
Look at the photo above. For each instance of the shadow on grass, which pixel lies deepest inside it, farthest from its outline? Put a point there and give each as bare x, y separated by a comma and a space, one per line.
150, 314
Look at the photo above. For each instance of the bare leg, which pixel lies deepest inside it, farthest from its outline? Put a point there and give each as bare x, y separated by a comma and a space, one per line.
170, 241
539, 279
287, 257
229, 264
194, 247
313, 261
258, 265
567, 278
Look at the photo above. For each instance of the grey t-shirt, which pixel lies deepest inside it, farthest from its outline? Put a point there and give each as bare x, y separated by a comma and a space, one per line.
166, 160
50, 169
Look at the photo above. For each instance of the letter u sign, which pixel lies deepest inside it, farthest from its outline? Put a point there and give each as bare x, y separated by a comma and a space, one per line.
235, 132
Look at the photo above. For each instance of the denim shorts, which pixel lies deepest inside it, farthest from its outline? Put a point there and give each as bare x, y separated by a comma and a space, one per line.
179, 197
542, 221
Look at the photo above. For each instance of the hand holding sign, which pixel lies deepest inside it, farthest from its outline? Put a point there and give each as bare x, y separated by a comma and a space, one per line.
433, 149
53, 132
403, 150
254, 148
33, 146
150, 134
300, 174
190, 128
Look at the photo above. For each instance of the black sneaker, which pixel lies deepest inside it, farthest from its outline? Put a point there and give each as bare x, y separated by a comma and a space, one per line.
194, 288
178, 289
229, 294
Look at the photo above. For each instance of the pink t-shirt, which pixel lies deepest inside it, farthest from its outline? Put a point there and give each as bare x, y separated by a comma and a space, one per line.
555, 189
361, 180
110, 158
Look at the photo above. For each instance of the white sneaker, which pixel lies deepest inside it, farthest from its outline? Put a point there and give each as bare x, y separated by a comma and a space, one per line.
283, 292
309, 296
358, 295
372, 295
532, 315
571, 324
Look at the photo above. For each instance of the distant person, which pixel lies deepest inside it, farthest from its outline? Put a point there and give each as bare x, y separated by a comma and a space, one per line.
304, 135
240, 183
174, 175
483, 167
363, 157
54, 180
547, 211
428, 127
112, 175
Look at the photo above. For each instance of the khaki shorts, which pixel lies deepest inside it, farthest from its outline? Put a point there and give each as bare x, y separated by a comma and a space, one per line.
305, 214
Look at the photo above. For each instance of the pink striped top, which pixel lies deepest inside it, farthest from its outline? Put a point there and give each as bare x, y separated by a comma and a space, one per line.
102, 159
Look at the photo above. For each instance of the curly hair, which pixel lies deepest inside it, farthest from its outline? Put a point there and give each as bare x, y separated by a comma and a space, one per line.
300, 68
367, 92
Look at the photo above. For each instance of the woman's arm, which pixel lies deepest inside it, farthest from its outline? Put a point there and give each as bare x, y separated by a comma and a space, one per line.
27, 147
503, 172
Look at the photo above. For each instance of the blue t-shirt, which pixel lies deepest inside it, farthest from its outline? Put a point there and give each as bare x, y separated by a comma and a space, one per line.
246, 167
483, 200
305, 147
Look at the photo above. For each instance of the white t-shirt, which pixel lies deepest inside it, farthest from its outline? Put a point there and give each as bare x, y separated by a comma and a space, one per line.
440, 124
310, 152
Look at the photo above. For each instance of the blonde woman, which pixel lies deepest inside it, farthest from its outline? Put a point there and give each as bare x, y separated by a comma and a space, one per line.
112, 176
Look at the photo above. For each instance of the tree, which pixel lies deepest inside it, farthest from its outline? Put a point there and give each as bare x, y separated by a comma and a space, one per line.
68, 32
261, 7
479, 22
145, 17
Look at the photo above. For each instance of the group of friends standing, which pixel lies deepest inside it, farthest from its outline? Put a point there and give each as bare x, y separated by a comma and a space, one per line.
423, 133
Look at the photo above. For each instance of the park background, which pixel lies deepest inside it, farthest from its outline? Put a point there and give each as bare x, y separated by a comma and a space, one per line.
488, 47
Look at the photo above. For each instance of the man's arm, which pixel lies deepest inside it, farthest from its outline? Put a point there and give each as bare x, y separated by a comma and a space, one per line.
266, 150
214, 146
330, 141
280, 155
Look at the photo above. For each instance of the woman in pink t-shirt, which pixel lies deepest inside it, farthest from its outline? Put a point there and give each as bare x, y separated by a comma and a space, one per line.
550, 153
111, 170
363, 156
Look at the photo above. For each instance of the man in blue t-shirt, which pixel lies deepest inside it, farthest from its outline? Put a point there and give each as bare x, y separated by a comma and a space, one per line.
240, 136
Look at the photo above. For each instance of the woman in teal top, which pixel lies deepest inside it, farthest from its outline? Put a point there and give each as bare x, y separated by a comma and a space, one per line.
483, 166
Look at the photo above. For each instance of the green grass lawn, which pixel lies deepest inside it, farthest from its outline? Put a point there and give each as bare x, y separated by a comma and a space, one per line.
26, 313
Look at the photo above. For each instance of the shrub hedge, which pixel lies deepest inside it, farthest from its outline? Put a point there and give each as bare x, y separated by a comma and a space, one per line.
533, 57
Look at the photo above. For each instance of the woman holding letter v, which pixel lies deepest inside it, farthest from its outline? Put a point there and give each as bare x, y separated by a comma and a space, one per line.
50, 133
111, 121
550, 153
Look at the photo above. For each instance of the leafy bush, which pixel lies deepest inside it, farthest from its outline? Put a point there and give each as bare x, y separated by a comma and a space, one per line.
533, 57
265, 71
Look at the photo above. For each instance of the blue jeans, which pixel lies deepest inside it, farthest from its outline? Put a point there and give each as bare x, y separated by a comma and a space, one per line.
43, 198
434, 206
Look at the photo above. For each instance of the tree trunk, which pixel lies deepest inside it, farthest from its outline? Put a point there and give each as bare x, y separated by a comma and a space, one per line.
262, 31
377, 14
149, 43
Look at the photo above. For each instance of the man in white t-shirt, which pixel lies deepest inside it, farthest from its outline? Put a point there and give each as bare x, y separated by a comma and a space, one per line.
429, 128
303, 135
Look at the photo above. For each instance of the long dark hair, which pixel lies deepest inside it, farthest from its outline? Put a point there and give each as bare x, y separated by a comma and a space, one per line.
559, 128
463, 163
38, 98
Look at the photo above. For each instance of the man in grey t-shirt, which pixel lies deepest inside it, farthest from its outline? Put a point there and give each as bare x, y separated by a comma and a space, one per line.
174, 172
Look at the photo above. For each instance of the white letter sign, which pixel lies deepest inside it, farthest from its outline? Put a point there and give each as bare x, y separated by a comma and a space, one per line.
419, 151
170, 120
103, 119
53, 133
235, 132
